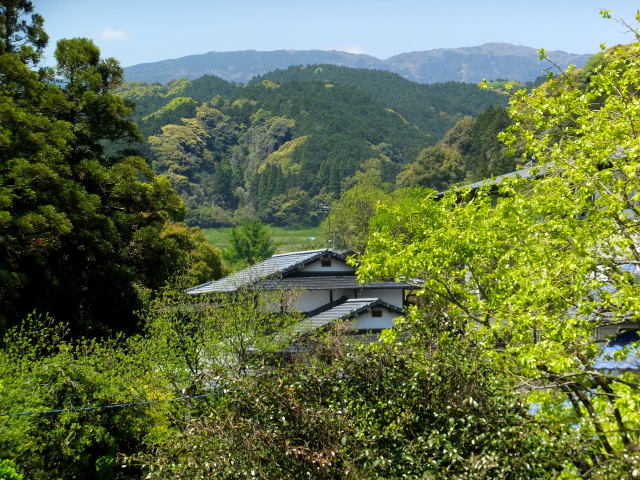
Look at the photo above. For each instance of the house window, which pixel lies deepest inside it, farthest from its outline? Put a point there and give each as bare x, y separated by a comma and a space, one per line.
376, 312
326, 262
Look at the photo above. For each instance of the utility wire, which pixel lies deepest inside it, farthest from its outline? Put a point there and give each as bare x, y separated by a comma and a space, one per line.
98, 407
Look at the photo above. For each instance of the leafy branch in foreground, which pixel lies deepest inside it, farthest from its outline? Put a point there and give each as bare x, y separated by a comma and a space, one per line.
530, 269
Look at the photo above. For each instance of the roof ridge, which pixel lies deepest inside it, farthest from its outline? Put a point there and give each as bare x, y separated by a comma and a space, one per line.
299, 252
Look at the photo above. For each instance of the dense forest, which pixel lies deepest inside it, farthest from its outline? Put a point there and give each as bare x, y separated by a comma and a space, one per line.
288, 144
516, 359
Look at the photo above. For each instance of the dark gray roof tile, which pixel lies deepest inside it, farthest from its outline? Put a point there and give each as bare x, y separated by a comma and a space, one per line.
532, 172
323, 283
350, 308
271, 267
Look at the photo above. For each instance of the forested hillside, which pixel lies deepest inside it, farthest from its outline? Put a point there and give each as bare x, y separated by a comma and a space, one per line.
286, 145
157, 105
430, 107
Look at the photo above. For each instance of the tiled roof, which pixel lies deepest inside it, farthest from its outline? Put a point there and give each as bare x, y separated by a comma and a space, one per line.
347, 309
271, 267
324, 282
609, 360
530, 172
534, 172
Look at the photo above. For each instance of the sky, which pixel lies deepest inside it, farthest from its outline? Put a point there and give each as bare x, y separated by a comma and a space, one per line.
140, 31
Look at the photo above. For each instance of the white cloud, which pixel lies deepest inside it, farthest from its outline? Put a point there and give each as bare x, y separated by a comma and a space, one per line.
349, 48
114, 35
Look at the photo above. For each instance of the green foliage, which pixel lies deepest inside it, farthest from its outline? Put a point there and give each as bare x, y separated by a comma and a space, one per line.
487, 156
21, 31
189, 347
433, 108
74, 218
193, 157
175, 248
280, 146
172, 112
469, 151
387, 411
347, 225
8, 471
150, 98
40, 369
593, 64
529, 269
249, 243
343, 126
205, 342
436, 167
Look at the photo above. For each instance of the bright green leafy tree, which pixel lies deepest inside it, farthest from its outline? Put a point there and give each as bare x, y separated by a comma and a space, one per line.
42, 369
530, 269
347, 225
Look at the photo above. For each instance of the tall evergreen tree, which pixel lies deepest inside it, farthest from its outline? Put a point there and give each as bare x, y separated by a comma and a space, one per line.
250, 243
74, 220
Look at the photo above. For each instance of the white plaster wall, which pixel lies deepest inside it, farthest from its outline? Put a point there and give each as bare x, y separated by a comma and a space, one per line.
389, 295
311, 299
604, 332
344, 292
278, 300
365, 321
336, 266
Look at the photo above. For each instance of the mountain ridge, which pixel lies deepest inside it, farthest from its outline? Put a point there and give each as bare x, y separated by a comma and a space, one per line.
471, 64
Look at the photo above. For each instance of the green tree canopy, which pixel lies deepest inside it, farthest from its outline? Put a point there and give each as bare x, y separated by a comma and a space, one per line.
347, 225
436, 167
393, 410
250, 243
21, 31
75, 221
530, 269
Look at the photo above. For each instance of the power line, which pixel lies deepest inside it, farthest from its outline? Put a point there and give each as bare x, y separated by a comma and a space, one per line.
98, 407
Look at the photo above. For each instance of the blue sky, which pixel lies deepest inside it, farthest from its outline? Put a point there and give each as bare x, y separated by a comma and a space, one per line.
138, 31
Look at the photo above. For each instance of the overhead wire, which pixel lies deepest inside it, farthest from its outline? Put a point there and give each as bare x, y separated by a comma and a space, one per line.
98, 407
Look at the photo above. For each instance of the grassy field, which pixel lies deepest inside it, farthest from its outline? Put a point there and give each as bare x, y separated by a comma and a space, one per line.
285, 239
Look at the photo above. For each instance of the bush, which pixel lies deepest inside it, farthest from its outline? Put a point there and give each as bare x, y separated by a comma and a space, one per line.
8, 471
385, 411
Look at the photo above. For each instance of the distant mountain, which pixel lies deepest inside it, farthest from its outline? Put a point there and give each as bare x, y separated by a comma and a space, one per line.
241, 66
471, 64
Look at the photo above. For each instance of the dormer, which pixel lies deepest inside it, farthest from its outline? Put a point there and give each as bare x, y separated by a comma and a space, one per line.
329, 263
